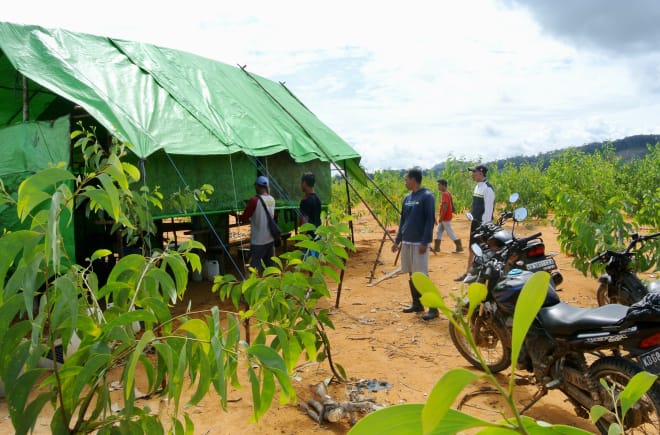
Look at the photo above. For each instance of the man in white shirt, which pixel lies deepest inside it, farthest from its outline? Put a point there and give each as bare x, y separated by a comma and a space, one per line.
261, 241
483, 205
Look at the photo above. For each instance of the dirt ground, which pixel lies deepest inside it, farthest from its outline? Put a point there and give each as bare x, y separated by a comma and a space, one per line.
373, 339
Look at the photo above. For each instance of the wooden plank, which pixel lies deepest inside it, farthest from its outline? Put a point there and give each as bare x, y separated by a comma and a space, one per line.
388, 275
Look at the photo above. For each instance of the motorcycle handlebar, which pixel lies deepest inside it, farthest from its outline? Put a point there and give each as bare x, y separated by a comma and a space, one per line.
636, 239
597, 257
626, 251
650, 236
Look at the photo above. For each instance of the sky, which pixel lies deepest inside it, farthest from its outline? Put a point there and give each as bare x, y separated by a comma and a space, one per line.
414, 83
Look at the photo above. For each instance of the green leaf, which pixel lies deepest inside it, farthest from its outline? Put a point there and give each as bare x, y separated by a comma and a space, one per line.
272, 361
598, 411
456, 422
17, 395
403, 419
128, 318
116, 171
430, 295
204, 380
93, 370
100, 253
11, 244
331, 273
308, 340
198, 329
476, 294
178, 267
34, 409
529, 303
636, 388
32, 190
129, 372
132, 171
443, 395
112, 195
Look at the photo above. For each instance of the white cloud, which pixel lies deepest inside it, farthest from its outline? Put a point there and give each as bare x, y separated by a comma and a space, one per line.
412, 83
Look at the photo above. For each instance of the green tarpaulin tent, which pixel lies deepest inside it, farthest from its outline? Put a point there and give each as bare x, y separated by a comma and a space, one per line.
160, 99
191, 120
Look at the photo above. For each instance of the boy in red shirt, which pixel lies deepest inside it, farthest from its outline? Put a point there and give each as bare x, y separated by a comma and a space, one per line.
444, 219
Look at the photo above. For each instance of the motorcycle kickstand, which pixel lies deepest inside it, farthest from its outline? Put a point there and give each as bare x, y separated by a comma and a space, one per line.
542, 391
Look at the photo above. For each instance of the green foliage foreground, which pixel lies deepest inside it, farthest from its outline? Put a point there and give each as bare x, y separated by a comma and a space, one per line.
50, 305
436, 416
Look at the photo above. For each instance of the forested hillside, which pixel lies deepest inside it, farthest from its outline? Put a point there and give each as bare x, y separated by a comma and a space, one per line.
627, 149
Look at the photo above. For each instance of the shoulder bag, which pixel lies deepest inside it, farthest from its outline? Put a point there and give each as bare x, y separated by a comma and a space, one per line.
272, 225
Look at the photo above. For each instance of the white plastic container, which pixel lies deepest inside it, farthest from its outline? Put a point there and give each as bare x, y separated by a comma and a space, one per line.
211, 269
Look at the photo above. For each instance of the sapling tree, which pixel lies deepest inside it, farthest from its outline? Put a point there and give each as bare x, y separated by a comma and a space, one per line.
56, 311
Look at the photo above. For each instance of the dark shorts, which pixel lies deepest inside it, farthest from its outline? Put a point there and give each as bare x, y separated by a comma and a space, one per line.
259, 253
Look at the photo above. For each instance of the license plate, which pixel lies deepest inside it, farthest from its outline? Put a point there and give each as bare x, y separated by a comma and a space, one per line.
546, 264
650, 361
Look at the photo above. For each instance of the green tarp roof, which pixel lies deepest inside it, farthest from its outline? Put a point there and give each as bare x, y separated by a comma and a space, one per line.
158, 98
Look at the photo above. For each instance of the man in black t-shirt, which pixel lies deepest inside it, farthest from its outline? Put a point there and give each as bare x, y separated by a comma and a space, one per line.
310, 205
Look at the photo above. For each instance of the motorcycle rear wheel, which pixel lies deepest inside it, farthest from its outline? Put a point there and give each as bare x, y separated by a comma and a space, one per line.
643, 417
490, 343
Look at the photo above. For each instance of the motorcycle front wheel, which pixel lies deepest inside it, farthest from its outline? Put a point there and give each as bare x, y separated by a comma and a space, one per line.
489, 339
642, 417
601, 296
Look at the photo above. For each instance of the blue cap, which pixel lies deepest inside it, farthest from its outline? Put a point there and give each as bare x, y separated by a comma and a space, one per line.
262, 181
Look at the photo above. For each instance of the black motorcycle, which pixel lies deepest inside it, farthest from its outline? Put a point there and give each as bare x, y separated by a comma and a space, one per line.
620, 285
525, 253
567, 348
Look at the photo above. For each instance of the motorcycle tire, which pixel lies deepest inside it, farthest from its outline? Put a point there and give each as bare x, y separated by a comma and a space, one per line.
602, 297
489, 340
643, 417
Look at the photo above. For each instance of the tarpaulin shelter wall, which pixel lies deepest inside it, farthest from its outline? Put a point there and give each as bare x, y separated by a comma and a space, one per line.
26, 149
191, 111
233, 178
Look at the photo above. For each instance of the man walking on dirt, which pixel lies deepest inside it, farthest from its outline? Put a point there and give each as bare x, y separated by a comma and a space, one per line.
415, 235
444, 219
483, 205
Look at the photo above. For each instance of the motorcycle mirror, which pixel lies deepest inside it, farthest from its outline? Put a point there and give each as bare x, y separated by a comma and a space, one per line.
514, 197
469, 216
477, 249
520, 214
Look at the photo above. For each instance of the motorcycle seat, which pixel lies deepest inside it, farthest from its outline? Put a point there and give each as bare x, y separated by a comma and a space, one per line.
564, 319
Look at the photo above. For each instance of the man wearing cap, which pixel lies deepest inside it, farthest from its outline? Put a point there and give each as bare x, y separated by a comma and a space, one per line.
483, 205
261, 241
415, 235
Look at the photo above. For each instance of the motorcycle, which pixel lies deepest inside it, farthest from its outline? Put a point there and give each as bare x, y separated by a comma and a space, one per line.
561, 342
620, 285
528, 253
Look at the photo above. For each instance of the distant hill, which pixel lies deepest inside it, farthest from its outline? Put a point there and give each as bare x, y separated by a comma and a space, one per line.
627, 148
